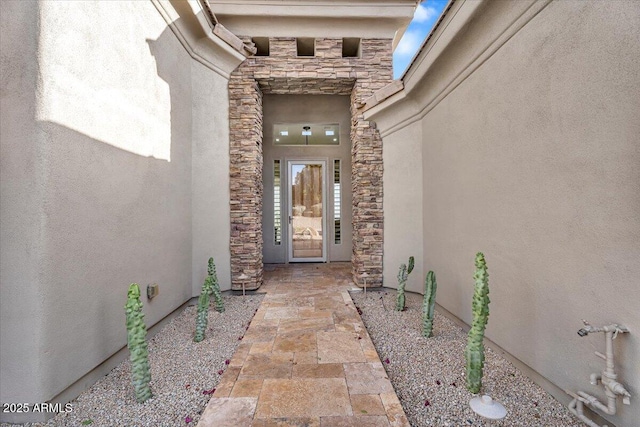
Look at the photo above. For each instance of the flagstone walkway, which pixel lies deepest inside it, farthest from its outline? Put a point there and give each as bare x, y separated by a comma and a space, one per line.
306, 359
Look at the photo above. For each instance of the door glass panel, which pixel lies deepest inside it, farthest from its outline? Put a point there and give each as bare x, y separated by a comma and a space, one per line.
306, 210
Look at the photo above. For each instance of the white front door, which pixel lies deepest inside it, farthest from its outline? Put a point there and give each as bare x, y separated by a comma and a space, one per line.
306, 210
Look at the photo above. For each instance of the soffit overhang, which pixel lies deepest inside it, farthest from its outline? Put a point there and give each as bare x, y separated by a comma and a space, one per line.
309, 18
195, 30
467, 35
407, 105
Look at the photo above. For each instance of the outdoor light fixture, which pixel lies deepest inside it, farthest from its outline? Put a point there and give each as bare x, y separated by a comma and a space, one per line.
313, 134
243, 278
306, 131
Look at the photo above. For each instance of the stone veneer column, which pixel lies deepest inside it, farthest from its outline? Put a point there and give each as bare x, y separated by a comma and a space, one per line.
366, 164
283, 72
245, 139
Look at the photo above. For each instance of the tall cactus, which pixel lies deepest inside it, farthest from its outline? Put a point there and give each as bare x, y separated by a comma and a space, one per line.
217, 295
474, 353
137, 344
429, 304
403, 275
202, 317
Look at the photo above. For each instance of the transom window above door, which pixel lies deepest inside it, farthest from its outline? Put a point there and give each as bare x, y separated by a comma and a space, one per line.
306, 134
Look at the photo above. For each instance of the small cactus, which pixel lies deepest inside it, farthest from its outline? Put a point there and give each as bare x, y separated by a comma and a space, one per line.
403, 275
202, 317
429, 303
474, 353
137, 344
215, 290
402, 281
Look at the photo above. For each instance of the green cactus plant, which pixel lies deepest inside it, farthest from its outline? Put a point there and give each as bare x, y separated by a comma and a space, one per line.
137, 344
202, 317
403, 275
215, 290
429, 304
474, 353
402, 281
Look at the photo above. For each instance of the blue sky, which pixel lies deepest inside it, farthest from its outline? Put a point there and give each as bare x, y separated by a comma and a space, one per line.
424, 19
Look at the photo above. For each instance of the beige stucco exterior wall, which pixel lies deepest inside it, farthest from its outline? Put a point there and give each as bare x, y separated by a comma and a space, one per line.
530, 151
210, 176
21, 213
403, 210
106, 123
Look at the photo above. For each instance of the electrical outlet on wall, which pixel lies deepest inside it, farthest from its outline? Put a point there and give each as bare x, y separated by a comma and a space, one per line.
152, 290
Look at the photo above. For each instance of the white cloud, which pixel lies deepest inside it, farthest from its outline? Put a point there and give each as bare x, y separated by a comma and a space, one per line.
409, 43
424, 13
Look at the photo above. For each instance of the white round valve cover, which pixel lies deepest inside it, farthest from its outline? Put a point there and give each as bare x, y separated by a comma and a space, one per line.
486, 407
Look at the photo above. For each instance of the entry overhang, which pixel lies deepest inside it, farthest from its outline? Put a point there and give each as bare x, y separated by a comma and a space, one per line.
310, 18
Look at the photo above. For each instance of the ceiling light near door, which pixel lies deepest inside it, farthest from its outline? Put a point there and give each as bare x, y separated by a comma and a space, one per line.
315, 134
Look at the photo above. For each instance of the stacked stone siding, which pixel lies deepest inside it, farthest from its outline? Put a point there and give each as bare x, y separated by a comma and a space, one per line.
283, 47
329, 48
245, 157
283, 72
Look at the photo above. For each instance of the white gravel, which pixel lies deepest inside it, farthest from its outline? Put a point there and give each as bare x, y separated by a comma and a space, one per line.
180, 371
428, 374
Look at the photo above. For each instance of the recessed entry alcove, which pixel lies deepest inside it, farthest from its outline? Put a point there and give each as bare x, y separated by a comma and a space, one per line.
328, 74
306, 211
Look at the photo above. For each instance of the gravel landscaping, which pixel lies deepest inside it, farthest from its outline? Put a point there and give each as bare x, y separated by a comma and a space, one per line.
428, 374
183, 373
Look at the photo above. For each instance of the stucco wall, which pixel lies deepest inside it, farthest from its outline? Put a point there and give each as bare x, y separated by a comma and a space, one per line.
530, 151
210, 176
97, 183
403, 193
21, 213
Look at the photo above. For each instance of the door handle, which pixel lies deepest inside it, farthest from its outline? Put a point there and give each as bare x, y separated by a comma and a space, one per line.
290, 219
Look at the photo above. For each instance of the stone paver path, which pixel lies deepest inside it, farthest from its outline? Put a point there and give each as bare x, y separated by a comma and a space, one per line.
306, 359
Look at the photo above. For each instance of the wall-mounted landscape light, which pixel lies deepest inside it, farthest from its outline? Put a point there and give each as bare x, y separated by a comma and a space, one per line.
152, 290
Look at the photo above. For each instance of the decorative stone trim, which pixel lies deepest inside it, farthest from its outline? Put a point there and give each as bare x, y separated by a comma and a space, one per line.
326, 73
283, 47
329, 48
